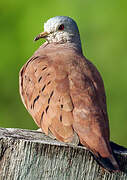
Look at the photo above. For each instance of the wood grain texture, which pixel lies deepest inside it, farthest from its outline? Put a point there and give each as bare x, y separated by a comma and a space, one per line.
30, 155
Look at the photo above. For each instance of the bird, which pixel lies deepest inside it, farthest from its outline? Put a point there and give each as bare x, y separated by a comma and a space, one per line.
64, 92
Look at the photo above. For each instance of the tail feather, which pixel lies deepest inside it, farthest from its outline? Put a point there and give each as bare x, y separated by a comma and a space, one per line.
108, 163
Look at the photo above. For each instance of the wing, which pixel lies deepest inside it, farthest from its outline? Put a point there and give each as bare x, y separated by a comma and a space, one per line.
100, 93
44, 90
90, 114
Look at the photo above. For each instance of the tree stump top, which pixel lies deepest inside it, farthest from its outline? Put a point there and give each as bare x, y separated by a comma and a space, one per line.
31, 155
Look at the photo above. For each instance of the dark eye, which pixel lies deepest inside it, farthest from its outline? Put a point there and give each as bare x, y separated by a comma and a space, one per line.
61, 27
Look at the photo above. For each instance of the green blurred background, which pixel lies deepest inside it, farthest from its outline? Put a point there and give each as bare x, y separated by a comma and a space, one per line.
103, 29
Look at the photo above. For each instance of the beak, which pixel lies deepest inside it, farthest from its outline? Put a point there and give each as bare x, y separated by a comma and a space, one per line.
41, 35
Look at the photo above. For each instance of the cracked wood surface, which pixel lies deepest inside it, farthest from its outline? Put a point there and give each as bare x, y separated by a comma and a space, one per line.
30, 155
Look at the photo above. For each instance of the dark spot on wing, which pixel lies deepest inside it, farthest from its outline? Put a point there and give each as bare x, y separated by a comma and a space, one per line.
48, 82
42, 115
35, 100
47, 108
39, 79
50, 97
44, 68
61, 118
43, 88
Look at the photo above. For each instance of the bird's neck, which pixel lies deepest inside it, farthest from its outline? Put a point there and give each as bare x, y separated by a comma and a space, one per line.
75, 43
72, 41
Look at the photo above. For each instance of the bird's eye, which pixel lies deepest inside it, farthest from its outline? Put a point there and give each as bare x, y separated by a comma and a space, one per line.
61, 27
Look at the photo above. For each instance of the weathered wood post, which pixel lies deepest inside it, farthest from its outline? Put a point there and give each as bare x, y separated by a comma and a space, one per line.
30, 155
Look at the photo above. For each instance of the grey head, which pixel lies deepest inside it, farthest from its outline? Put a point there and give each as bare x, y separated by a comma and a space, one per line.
61, 29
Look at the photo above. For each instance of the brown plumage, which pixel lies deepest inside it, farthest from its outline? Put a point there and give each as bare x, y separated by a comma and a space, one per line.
64, 93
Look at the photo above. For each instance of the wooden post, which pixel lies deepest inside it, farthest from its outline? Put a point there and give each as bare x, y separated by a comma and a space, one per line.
30, 155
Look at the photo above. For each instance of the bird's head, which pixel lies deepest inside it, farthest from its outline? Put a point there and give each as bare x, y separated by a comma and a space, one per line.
60, 29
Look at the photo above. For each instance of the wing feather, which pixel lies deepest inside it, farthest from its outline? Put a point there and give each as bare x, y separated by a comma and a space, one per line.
90, 114
44, 89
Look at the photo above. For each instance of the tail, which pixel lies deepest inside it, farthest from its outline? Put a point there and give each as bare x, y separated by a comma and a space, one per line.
108, 163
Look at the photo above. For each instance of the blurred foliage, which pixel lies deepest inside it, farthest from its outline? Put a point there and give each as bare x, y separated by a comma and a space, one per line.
103, 29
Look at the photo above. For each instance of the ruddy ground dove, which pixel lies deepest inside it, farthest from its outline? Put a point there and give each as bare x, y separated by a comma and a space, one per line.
64, 92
